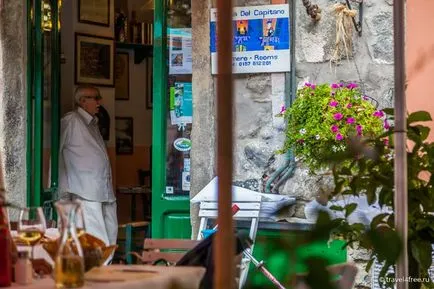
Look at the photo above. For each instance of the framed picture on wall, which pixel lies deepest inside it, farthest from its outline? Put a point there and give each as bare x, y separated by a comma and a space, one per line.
149, 83
124, 135
96, 12
94, 60
122, 76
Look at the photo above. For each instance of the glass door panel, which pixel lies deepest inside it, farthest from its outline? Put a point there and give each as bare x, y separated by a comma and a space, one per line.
172, 119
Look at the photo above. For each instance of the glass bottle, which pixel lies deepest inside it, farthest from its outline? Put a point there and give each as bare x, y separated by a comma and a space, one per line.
5, 251
69, 264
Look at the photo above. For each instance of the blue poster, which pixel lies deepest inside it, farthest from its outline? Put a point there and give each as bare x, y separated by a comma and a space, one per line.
261, 41
181, 103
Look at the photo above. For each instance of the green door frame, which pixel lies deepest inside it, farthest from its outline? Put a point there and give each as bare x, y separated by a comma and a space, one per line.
36, 196
163, 206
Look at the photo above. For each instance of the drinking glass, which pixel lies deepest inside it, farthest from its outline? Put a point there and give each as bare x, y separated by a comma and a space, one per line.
31, 226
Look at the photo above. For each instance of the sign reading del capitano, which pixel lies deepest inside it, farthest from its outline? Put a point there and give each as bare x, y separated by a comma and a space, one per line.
261, 41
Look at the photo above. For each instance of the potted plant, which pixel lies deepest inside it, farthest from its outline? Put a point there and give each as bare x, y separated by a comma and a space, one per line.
370, 171
324, 117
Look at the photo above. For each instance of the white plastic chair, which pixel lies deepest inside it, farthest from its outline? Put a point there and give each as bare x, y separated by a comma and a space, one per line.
249, 208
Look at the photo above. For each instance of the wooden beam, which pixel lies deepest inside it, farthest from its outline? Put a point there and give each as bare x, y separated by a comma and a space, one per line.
400, 198
224, 246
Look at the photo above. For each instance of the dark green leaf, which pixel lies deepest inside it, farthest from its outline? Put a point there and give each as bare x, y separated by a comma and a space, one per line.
349, 209
413, 135
370, 193
369, 264
318, 276
379, 219
391, 220
324, 225
421, 251
389, 111
423, 131
419, 116
387, 243
336, 208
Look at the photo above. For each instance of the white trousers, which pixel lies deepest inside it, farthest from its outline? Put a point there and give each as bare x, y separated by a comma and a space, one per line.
100, 219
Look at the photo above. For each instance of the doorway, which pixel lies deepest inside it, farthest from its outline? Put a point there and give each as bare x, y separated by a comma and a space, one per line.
121, 47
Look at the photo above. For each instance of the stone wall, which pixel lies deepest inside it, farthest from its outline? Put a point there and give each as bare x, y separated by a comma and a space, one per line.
258, 133
258, 95
13, 100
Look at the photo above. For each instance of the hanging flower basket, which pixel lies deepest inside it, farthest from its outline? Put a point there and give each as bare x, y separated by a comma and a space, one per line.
324, 117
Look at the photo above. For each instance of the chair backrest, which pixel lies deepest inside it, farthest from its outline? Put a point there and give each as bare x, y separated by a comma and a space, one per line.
249, 209
346, 275
170, 250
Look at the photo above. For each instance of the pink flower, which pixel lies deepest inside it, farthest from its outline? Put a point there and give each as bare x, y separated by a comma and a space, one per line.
313, 86
359, 129
379, 114
341, 85
365, 97
334, 128
282, 109
333, 103
335, 85
332, 94
338, 116
351, 120
386, 124
352, 85
386, 141
349, 105
339, 136
307, 84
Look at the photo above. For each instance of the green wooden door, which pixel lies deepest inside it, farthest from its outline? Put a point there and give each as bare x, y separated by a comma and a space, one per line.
171, 121
43, 86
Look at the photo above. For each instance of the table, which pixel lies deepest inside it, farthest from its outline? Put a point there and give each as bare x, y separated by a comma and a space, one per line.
162, 278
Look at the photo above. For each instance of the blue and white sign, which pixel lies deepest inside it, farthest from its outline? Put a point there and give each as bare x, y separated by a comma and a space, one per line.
261, 39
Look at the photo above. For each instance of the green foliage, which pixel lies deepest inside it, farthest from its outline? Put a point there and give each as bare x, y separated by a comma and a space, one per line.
374, 177
324, 117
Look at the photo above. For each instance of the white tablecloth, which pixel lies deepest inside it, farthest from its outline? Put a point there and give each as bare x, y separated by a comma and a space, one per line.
164, 278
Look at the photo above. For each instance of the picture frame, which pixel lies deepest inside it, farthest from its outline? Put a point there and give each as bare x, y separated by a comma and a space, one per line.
124, 135
122, 76
94, 60
149, 83
95, 12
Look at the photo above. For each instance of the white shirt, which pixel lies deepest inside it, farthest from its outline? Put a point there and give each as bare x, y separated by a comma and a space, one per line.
84, 165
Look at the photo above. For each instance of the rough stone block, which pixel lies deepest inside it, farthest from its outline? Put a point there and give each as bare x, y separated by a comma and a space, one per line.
381, 42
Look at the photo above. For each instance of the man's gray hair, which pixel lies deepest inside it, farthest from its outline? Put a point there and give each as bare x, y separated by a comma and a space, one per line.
79, 92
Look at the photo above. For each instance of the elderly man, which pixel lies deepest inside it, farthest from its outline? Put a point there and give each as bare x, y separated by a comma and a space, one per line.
84, 166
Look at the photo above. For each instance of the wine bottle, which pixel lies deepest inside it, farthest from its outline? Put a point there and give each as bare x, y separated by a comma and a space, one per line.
5, 251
